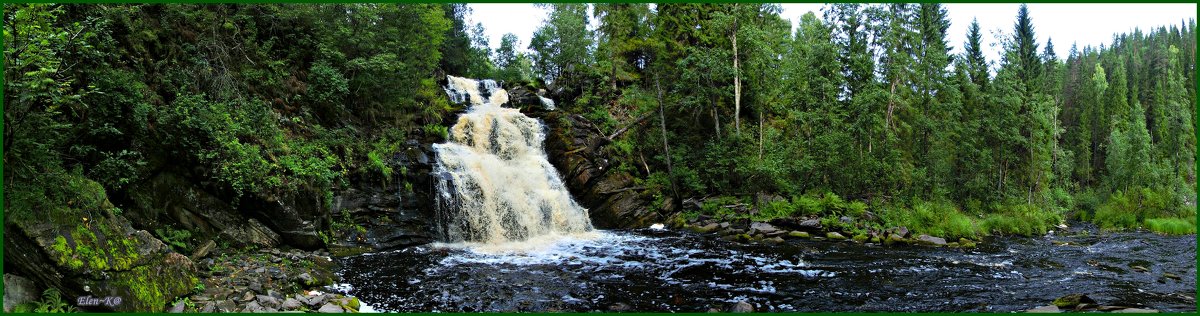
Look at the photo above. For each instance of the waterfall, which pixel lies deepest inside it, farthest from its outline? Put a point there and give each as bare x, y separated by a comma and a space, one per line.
494, 182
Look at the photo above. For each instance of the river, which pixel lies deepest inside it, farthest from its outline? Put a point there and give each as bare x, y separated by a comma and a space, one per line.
667, 270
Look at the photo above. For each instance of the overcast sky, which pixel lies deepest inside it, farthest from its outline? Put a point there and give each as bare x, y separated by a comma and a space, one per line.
1084, 24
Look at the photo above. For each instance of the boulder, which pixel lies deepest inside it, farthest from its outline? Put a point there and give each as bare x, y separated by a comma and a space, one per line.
18, 290
297, 215
203, 250
101, 252
936, 241
331, 308
743, 307
290, 304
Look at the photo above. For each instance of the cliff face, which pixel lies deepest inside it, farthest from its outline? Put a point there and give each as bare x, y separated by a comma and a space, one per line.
577, 149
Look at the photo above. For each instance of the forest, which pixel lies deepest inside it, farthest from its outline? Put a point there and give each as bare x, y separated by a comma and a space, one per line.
715, 110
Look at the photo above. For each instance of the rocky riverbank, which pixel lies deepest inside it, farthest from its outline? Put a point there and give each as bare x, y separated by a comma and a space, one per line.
780, 230
266, 280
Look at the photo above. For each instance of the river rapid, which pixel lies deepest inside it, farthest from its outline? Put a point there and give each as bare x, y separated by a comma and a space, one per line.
667, 270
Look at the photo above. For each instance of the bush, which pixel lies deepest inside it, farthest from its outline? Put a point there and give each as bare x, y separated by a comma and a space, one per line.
1172, 226
1135, 207
1019, 219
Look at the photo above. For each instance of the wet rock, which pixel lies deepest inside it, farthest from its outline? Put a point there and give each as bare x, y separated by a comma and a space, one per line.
936, 241
894, 239
1073, 300
619, 307
226, 306
860, 238
1172, 276
203, 250
835, 236
18, 290
331, 308
743, 307
798, 234
774, 240
1139, 268
290, 304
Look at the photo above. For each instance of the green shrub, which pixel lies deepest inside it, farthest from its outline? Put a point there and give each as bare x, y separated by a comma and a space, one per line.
436, 130
1134, 207
1172, 226
1019, 219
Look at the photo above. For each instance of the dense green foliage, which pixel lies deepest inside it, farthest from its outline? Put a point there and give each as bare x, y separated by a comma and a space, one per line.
243, 99
864, 114
869, 105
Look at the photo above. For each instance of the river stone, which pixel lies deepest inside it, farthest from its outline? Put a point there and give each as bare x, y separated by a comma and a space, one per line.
811, 224
774, 240
743, 307
18, 290
305, 278
268, 301
290, 304
1044, 309
209, 307
1136, 310
331, 308
226, 306
707, 228
966, 243
249, 296
937, 241
619, 307
798, 234
763, 228
253, 307
1072, 300
835, 236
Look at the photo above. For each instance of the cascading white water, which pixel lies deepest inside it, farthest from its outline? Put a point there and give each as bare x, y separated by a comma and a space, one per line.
495, 184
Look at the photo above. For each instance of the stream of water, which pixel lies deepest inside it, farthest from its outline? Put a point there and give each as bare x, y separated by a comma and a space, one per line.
653, 270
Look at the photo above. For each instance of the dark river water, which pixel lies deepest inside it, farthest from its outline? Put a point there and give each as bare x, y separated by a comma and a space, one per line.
663, 270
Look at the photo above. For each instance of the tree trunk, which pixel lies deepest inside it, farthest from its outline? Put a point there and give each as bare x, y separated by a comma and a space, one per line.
662, 123
760, 135
737, 84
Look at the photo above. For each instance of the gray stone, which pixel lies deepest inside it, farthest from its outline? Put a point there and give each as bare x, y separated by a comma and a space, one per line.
331, 308
203, 250
226, 306
810, 224
290, 304
305, 278
275, 294
937, 241
764, 228
18, 290
253, 307
256, 287
209, 307
267, 301
743, 307
1135, 310
1045, 309
178, 308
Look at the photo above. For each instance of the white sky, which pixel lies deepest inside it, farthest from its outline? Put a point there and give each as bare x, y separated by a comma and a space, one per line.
1083, 24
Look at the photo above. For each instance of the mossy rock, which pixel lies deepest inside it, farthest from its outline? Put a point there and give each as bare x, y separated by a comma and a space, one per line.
835, 236
1072, 300
860, 238
798, 234
966, 243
